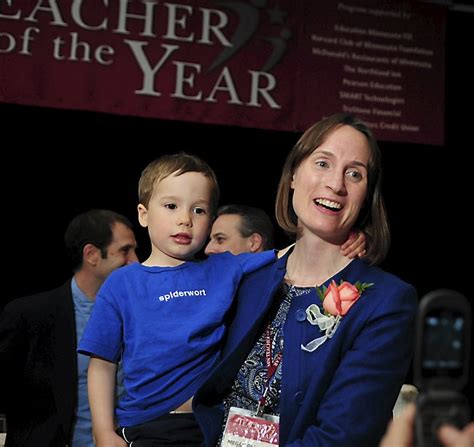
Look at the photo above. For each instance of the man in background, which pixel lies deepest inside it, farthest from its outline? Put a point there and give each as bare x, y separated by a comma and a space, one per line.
43, 378
240, 229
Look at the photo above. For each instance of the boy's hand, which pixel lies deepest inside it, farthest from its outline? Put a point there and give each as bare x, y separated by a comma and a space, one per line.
355, 245
109, 439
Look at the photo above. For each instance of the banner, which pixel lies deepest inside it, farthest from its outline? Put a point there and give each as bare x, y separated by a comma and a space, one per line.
271, 64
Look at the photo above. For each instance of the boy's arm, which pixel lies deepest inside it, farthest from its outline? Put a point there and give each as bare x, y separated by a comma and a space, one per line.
355, 246
101, 388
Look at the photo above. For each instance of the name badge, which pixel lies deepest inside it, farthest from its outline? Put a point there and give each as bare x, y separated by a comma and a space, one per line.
244, 429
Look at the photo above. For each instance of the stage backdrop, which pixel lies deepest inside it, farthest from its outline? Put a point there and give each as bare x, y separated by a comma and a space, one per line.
271, 64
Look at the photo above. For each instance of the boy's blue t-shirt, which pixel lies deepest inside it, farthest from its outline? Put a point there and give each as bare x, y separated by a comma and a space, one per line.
167, 325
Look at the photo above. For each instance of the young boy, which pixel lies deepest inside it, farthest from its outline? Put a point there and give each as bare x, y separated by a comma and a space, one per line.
165, 318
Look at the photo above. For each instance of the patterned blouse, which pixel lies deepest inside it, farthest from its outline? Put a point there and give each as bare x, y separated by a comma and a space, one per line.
252, 379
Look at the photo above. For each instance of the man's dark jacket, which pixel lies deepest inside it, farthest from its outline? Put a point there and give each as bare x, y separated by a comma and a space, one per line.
39, 368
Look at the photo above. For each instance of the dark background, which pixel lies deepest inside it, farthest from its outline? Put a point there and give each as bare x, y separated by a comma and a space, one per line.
57, 163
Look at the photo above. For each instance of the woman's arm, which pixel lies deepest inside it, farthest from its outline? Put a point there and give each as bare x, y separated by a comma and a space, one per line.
364, 382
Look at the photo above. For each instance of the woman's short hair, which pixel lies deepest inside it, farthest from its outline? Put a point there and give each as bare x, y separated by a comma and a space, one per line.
372, 219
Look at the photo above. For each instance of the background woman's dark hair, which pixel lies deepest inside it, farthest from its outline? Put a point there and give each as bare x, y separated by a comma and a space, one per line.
372, 219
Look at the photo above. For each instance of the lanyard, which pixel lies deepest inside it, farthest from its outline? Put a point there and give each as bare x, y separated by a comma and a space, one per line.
271, 369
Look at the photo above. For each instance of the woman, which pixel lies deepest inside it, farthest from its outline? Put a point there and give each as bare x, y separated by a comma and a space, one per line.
332, 373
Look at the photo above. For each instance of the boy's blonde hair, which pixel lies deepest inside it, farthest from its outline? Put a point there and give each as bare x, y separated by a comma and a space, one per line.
175, 164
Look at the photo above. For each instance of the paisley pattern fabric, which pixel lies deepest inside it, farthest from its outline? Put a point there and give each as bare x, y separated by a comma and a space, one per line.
252, 378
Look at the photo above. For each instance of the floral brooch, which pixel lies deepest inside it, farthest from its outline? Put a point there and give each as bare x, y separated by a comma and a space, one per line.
337, 300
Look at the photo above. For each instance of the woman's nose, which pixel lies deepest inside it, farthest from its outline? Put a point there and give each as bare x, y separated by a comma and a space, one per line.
337, 184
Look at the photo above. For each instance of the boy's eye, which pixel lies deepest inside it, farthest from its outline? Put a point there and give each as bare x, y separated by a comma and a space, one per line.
220, 239
198, 210
171, 206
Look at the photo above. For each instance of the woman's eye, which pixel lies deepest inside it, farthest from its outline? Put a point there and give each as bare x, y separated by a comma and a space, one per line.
322, 163
355, 175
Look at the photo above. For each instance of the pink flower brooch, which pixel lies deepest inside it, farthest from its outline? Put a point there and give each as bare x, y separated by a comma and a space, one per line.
337, 300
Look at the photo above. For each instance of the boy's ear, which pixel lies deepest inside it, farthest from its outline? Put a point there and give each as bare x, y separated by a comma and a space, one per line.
142, 215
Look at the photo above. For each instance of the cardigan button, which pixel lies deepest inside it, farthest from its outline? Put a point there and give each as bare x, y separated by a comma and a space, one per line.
300, 315
299, 397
